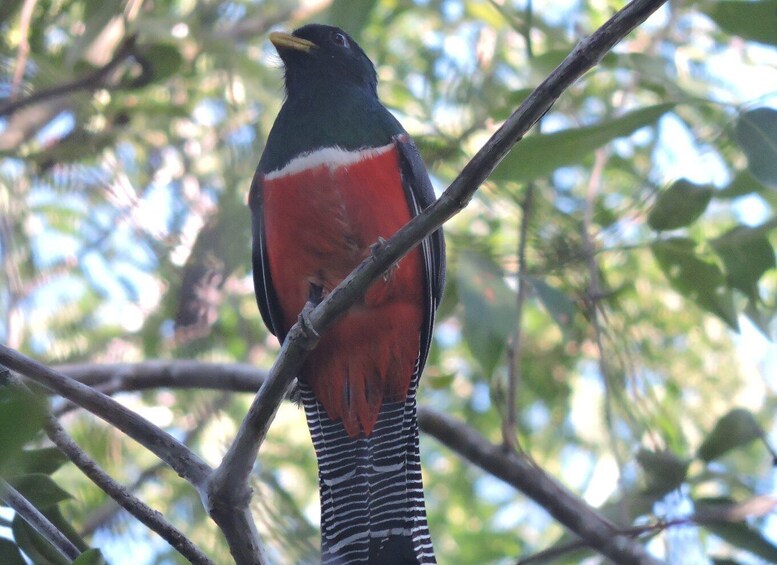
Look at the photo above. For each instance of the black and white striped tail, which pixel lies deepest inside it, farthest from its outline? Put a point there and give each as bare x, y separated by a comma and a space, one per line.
372, 500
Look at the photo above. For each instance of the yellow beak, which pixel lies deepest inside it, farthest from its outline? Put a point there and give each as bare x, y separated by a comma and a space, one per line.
287, 41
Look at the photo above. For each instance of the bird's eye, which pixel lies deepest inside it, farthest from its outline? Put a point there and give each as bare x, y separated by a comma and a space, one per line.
340, 39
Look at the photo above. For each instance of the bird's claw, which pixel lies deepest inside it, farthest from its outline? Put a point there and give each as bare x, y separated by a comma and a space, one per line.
306, 325
374, 248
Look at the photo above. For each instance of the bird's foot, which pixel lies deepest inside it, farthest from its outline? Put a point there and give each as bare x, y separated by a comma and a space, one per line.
315, 296
306, 326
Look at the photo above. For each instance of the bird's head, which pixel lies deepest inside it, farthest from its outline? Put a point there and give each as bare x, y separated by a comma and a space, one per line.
323, 57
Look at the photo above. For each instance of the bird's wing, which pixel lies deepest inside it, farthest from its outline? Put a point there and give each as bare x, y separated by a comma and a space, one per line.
420, 195
265, 292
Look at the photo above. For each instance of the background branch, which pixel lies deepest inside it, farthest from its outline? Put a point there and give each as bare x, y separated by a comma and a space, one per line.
517, 470
92, 81
163, 445
523, 474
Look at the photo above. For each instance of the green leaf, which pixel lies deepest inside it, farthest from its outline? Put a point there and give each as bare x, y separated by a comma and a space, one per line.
747, 255
489, 309
439, 381
736, 429
759, 318
165, 60
743, 183
39, 489
679, 205
539, 155
9, 553
98, 14
21, 418
664, 471
351, 15
45, 461
750, 20
90, 557
695, 278
756, 133
557, 303
743, 536
34, 545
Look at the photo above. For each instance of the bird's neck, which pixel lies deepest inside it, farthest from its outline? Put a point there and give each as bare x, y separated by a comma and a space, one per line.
348, 118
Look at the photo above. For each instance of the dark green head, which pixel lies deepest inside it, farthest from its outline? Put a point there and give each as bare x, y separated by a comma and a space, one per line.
332, 97
321, 57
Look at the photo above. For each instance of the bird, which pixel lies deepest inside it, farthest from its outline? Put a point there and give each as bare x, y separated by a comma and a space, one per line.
338, 176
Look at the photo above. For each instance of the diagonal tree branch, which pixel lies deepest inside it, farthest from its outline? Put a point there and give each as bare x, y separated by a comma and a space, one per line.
227, 482
237, 524
523, 474
163, 445
16, 501
92, 81
154, 520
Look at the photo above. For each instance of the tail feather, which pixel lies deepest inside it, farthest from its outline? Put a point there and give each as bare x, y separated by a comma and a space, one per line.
372, 501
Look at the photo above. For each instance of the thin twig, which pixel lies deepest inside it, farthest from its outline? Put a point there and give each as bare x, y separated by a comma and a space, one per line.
24, 508
515, 356
92, 81
24, 46
148, 516
198, 423
515, 351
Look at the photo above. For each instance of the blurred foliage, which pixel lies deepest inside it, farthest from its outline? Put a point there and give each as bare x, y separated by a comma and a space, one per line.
124, 236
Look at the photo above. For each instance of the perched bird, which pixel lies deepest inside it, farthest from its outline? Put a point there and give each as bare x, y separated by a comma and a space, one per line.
338, 174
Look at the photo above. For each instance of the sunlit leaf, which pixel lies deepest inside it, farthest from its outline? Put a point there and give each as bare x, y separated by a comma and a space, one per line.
756, 132
90, 557
556, 302
743, 536
21, 418
736, 429
679, 205
664, 470
747, 254
696, 279
39, 489
539, 155
751, 20
489, 309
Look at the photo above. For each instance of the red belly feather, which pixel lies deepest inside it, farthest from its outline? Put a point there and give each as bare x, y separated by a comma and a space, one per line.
319, 224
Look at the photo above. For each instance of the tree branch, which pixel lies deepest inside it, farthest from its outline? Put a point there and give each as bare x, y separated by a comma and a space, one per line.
163, 445
232, 514
110, 377
14, 499
92, 81
518, 471
151, 518
523, 474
